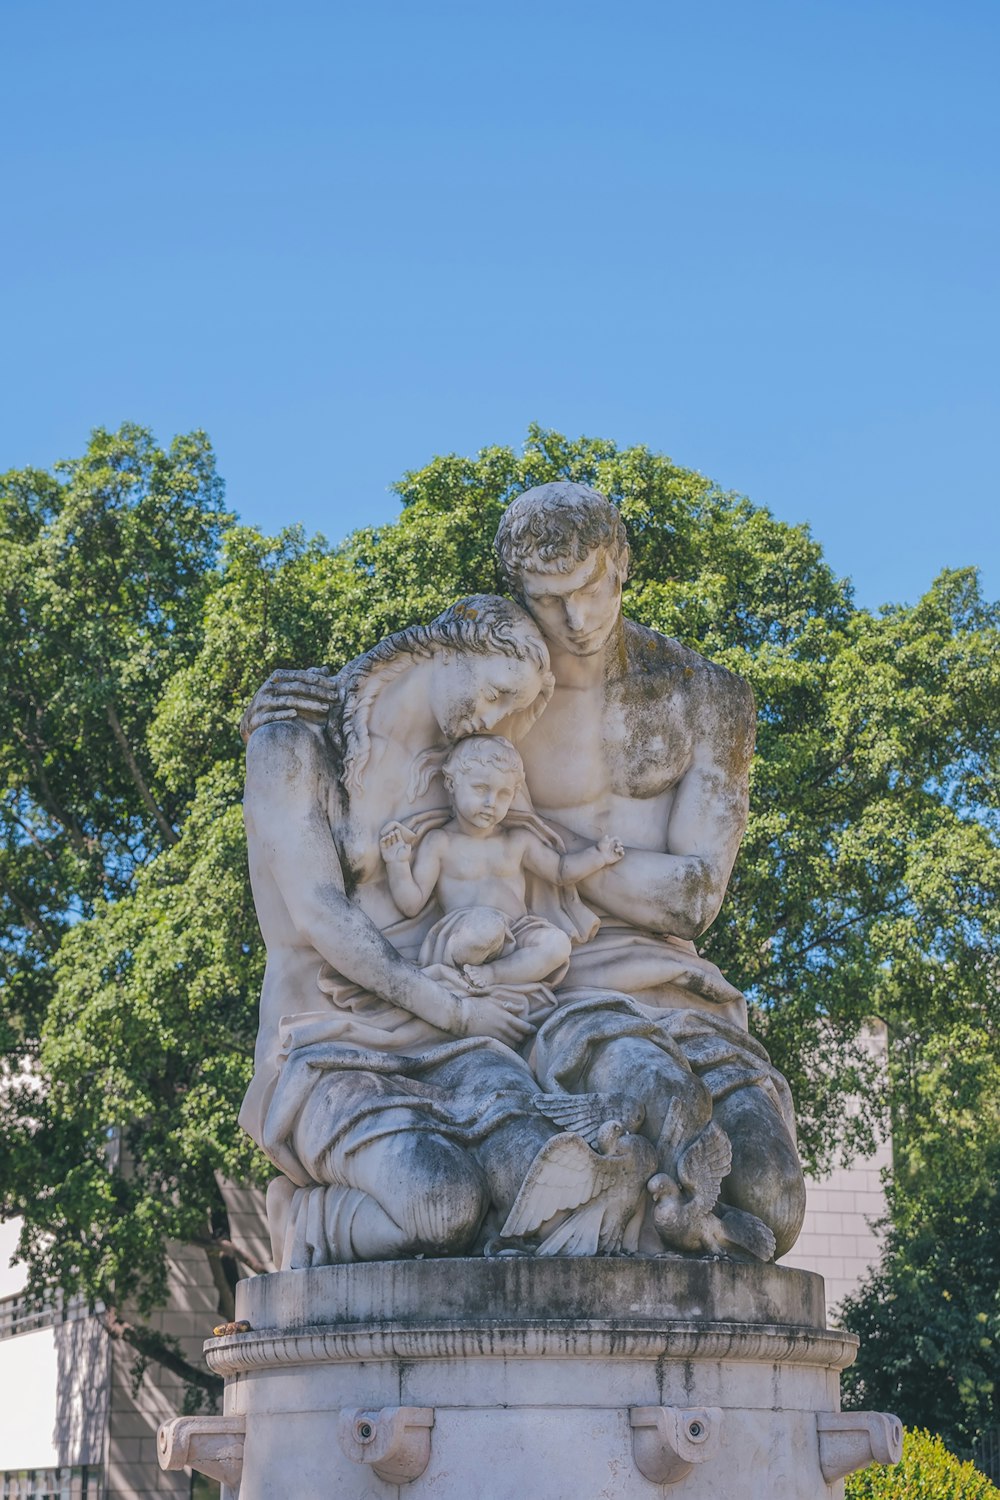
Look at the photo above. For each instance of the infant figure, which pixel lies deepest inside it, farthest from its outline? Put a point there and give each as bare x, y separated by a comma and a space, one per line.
477, 867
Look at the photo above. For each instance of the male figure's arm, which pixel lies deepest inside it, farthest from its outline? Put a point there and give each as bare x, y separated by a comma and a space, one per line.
678, 892
286, 789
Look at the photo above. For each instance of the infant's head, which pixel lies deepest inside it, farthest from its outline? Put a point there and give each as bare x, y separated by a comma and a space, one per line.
483, 775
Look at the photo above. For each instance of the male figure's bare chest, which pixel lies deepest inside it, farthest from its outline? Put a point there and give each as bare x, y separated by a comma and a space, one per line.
596, 746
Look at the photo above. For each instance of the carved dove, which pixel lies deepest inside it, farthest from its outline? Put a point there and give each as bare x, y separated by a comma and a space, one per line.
684, 1211
585, 1114
600, 1191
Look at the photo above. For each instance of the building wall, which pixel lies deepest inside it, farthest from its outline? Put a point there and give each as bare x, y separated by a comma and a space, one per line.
839, 1238
54, 1385
140, 1399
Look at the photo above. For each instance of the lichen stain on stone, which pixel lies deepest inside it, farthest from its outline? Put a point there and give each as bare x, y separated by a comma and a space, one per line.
661, 1379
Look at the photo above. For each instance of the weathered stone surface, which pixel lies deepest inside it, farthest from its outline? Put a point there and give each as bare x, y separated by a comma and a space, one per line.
546, 1380
480, 855
526, 1290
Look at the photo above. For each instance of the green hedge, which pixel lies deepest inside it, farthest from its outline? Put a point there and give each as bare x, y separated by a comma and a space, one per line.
928, 1472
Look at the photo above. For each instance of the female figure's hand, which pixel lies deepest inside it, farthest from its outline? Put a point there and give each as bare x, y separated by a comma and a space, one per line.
487, 1016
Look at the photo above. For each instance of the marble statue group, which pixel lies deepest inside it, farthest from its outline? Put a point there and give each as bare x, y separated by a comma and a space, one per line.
481, 855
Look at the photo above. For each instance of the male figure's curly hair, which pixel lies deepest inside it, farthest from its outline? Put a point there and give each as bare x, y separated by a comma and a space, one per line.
553, 527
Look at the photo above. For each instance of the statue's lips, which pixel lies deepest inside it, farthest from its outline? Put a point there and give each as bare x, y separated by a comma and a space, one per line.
590, 640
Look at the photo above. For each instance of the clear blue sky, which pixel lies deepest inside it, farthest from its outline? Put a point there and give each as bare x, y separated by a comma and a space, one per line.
762, 238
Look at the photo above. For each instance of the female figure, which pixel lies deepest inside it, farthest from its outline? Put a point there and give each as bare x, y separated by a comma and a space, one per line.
395, 1108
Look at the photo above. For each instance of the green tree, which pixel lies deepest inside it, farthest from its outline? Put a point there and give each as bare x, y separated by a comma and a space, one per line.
863, 886
928, 1472
929, 1315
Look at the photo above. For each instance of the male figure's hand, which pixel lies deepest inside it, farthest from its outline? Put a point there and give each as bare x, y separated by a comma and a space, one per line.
291, 694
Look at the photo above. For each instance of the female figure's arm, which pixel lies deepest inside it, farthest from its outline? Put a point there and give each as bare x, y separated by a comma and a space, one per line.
286, 800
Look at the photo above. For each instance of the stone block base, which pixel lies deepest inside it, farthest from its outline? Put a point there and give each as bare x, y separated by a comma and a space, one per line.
532, 1379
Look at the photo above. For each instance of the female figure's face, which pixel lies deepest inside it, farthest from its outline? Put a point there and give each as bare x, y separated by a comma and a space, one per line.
470, 693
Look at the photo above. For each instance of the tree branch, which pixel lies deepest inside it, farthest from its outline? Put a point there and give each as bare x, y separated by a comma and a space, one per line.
140, 781
77, 837
153, 1346
32, 919
218, 1245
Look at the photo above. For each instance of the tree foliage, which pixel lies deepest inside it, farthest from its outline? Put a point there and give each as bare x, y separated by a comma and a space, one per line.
927, 1472
142, 618
929, 1315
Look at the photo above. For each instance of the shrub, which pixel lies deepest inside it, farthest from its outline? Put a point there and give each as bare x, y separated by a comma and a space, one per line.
928, 1472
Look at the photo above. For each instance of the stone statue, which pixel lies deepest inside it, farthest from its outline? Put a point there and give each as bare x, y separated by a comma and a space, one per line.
480, 856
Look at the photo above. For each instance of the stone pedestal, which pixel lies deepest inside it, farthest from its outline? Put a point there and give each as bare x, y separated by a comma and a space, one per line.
534, 1379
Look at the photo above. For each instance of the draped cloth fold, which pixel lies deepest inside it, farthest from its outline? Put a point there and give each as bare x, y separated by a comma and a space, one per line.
724, 1056
332, 1100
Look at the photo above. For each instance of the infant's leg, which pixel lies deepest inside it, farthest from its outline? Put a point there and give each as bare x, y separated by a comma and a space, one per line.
479, 936
540, 952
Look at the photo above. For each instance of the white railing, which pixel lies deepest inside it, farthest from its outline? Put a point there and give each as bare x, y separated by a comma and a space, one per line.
19, 1315
51, 1484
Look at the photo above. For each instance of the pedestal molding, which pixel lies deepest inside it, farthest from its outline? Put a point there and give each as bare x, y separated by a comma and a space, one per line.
605, 1339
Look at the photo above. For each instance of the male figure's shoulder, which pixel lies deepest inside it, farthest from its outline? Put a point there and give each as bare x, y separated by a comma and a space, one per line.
658, 662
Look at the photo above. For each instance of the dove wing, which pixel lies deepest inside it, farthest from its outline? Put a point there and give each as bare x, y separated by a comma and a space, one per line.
671, 1131
582, 1113
704, 1164
564, 1174
580, 1234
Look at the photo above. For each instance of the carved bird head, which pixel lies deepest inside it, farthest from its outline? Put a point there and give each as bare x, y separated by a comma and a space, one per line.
662, 1186
608, 1136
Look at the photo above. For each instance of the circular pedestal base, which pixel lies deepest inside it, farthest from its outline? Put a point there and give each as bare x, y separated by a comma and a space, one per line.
533, 1380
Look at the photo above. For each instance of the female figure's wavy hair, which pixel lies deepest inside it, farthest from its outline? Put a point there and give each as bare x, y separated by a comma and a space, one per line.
482, 623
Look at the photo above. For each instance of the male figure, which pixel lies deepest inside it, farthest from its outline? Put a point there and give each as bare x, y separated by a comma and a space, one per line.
644, 735
641, 732
478, 867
